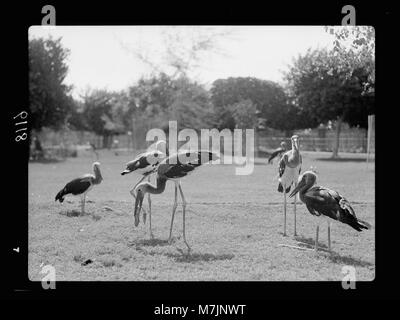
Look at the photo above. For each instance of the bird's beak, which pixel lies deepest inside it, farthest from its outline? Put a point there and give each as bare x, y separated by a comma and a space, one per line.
138, 206
297, 189
125, 172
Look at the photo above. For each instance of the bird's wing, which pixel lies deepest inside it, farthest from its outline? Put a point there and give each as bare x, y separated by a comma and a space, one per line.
180, 164
331, 204
321, 201
175, 171
275, 153
78, 185
282, 164
300, 163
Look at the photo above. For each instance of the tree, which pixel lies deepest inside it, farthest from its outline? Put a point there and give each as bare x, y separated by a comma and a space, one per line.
326, 90
267, 96
191, 106
355, 47
245, 114
289, 117
49, 99
161, 98
98, 113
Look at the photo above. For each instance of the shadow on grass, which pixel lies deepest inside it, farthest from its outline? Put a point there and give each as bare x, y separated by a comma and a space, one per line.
46, 160
342, 159
349, 260
73, 213
152, 242
78, 213
310, 242
334, 257
196, 257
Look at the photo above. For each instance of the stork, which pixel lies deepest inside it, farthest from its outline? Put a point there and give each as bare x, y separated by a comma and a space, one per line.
81, 186
278, 152
174, 168
321, 201
146, 163
289, 170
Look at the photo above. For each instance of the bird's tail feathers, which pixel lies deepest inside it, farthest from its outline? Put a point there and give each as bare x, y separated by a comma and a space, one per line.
363, 224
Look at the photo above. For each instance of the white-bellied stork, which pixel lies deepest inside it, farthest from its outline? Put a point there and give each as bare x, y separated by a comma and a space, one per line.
145, 164
174, 168
321, 201
289, 171
278, 152
81, 186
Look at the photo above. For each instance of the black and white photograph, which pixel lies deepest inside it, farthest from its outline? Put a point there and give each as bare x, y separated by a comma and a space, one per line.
202, 153
200, 164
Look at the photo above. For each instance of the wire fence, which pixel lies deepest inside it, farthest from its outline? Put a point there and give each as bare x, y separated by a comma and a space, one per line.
71, 143
346, 144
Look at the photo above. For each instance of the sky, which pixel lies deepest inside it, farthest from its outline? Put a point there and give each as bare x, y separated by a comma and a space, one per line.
103, 56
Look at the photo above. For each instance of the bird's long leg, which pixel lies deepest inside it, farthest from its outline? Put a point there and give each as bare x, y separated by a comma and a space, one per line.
173, 212
295, 197
82, 204
316, 239
329, 236
151, 231
284, 210
184, 211
83, 199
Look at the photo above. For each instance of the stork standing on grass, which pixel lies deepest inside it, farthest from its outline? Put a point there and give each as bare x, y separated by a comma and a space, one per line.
145, 164
81, 186
324, 202
278, 151
173, 168
289, 170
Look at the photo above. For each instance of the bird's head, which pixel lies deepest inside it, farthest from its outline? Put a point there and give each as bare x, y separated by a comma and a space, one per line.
97, 172
283, 145
306, 180
140, 192
295, 141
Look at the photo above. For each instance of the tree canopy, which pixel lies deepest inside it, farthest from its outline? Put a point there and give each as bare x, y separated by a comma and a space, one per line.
265, 95
49, 99
324, 89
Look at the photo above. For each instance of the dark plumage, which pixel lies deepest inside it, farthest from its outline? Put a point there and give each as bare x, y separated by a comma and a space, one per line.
321, 201
181, 164
81, 186
74, 187
278, 152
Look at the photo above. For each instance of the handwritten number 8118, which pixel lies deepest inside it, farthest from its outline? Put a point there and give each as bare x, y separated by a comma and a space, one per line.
22, 116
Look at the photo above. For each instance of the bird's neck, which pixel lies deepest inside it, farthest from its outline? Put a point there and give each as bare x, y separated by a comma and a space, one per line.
97, 176
295, 148
159, 188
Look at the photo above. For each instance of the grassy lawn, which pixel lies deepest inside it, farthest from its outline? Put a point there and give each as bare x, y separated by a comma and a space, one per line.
233, 224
